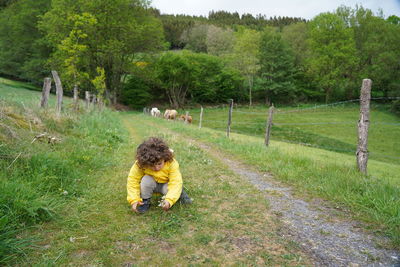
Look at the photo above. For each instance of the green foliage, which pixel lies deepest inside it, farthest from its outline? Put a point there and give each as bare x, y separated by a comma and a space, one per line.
377, 49
174, 27
245, 55
333, 55
219, 41
196, 38
23, 52
70, 55
120, 29
277, 68
136, 93
203, 77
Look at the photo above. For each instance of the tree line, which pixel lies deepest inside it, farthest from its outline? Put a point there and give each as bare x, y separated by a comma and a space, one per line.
126, 51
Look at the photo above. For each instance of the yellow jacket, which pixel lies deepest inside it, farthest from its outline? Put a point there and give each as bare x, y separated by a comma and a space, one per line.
168, 174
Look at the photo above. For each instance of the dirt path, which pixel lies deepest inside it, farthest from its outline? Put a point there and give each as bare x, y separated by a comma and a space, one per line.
330, 239
322, 231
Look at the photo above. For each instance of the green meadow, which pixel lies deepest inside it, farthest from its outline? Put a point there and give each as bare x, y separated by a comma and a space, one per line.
65, 203
332, 128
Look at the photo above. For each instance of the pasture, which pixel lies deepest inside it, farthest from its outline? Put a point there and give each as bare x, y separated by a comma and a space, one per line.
332, 128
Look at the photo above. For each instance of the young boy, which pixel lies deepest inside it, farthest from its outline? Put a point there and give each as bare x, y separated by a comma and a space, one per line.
155, 170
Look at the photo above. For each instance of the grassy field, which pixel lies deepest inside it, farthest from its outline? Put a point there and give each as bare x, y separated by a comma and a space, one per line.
332, 128
65, 204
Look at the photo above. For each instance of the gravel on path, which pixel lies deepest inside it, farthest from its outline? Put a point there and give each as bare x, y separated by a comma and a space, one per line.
330, 239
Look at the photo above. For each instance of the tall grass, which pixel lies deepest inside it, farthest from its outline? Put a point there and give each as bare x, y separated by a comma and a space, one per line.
38, 178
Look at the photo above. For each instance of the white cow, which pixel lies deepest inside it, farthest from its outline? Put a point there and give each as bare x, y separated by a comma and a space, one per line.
155, 112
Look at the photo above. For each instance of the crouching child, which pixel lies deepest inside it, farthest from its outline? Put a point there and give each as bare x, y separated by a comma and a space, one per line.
155, 171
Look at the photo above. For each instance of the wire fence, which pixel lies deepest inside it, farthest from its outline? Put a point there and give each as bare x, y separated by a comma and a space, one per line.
255, 122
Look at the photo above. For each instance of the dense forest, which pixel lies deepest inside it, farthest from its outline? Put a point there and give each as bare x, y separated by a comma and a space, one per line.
128, 52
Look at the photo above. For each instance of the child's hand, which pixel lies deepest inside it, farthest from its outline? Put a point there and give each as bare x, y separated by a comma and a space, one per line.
166, 205
134, 205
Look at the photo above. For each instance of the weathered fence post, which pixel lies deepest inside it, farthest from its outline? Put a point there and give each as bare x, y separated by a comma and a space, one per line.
201, 116
186, 117
228, 130
269, 124
94, 100
363, 124
76, 98
45, 93
59, 91
144, 111
87, 99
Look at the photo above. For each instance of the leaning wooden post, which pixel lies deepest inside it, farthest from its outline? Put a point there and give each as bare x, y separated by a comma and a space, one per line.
59, 91
87, 99
228, 130
363, 124
45, 93
186, 117
269, 124
201, 117
76, 99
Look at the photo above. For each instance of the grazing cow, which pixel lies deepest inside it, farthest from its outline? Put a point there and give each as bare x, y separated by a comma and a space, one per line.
188, 118
170, 114
155, 112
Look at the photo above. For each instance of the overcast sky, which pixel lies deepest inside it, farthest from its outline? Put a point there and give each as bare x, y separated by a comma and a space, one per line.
292, 8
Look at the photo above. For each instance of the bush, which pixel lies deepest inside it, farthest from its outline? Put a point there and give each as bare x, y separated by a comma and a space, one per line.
136, 93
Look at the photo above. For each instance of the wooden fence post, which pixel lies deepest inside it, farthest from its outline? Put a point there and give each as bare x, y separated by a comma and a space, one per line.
87, 99
228, 130
201, 116
76, 98
59, 91
186, 117
269, 124
94, 99
45, 93
363, 124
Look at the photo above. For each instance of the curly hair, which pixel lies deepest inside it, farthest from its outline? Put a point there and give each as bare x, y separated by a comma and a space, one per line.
152, 151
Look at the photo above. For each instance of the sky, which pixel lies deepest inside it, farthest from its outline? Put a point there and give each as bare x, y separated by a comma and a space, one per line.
291, 8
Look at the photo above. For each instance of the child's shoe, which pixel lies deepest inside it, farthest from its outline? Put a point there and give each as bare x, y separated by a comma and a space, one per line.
184, 198
145, 207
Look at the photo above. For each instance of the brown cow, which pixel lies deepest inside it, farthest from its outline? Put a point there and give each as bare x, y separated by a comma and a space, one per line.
184, 117
170, 114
